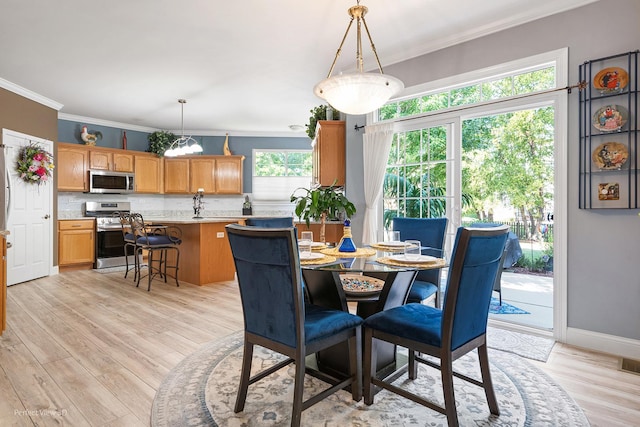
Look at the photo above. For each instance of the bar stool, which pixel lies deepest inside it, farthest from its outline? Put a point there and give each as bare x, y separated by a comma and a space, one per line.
155, 239
129, 243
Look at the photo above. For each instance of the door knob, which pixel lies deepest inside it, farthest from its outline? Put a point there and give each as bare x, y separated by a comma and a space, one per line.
47, 216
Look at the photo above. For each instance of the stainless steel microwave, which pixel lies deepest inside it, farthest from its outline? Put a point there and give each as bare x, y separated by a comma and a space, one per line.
101, 181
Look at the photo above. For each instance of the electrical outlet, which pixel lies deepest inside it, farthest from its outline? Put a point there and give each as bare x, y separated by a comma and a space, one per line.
220, 234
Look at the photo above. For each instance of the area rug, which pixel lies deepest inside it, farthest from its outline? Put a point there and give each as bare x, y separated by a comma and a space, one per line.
505, 308
525, 345
201, 391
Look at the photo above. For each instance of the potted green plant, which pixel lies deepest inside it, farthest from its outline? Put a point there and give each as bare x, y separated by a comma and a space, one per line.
160, 141
321, 203
319, 113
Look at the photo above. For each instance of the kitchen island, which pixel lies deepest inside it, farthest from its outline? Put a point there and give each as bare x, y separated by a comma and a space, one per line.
205, 254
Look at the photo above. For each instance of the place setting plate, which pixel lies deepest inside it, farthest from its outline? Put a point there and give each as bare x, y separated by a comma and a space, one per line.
310, 256
420, 259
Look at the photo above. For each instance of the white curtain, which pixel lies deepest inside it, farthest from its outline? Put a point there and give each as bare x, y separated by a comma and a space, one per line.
375, 152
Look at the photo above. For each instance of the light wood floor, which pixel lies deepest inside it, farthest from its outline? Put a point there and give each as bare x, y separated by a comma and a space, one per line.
84, 348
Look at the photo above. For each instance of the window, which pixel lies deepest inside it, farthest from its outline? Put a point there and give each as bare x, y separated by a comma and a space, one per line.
530, 81
277, 173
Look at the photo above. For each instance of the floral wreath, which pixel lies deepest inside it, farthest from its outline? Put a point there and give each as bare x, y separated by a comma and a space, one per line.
34, 164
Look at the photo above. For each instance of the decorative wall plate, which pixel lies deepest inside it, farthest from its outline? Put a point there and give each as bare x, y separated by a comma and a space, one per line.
609, 191
610, 118
610, 155
611, 80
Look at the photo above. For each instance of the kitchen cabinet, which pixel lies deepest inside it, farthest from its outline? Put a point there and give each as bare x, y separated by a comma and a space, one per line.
202, 175
3, 284
71, 167
333, 231
228, 174
214, 174
76, 244
113, 160
148, 173
176, 175
329, 156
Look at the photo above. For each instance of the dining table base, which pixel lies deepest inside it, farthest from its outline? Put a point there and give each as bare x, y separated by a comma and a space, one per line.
324, 288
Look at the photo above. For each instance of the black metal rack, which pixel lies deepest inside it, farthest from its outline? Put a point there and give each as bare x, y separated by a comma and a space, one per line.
608, 123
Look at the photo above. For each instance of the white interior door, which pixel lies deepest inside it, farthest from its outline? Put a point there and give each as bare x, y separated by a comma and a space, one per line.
28, 215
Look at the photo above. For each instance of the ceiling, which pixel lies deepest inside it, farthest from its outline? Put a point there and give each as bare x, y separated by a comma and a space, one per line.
245, 67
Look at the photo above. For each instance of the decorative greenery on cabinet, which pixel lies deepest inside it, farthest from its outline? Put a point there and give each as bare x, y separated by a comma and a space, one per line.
159, 142
320, 113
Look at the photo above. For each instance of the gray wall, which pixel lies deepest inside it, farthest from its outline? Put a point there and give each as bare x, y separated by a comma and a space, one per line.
69, 131
603, 245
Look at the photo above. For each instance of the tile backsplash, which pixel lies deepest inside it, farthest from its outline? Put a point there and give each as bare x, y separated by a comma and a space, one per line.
71, 205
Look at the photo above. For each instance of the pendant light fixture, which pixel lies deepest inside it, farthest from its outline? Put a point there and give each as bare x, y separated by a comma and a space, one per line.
184, 144
359, 92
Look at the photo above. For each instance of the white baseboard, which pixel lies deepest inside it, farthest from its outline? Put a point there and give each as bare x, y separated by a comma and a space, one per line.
604, 343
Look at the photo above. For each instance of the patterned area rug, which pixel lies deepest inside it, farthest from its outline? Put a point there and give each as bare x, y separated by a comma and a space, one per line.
505, 308
525, 345
201, 391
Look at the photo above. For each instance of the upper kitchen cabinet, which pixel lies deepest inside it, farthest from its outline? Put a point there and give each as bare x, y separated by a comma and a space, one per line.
176, 175
202, 175
228, 174
148, 173
72, 165
113, 160
213, 174
329, 153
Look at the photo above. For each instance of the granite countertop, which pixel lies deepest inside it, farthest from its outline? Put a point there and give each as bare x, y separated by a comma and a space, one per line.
204, 220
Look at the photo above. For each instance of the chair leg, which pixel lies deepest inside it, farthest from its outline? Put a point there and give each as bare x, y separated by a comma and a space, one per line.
413, 366
446, 369
149, 268
355, 356
298, 388
126, 259
369, 364
247, 355
177, 265
138, 274
483, 357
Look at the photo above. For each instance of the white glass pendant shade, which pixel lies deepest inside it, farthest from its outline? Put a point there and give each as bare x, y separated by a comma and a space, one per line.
196, 148
358, 93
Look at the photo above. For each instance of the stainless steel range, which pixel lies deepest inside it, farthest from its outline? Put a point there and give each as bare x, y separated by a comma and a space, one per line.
109, 239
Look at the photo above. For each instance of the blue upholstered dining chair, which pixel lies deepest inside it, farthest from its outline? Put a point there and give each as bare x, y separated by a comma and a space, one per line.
446, 334
275, 222
277, 318
431, 233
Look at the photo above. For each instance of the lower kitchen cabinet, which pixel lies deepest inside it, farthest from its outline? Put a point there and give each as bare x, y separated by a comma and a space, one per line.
76, 244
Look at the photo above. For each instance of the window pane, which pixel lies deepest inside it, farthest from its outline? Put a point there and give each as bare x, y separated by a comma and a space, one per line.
389, 111
409, 107
412, 147
435, 102
465, 95
497, 89
535, 81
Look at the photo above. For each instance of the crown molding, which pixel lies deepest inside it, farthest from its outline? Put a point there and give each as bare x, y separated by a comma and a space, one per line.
19, 90
127, 126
